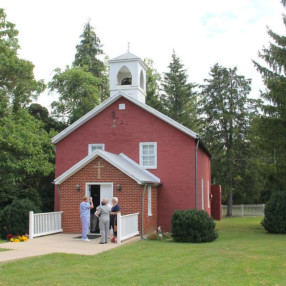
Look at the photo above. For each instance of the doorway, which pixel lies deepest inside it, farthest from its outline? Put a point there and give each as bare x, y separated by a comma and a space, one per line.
95, 194
97, 191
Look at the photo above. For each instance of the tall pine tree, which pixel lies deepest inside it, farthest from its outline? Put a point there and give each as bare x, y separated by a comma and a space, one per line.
88, 56
179, 97
271, 129
226, 116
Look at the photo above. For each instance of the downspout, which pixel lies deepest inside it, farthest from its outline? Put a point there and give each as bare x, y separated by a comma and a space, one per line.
196, 171
142, 212
59, 190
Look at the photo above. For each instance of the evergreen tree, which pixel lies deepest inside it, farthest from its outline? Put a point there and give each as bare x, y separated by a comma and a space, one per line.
271, 126
153, 80
88, 56
179, 97
226, 118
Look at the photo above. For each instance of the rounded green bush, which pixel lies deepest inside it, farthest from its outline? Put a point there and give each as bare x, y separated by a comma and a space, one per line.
14, 218
193, 226
275, 213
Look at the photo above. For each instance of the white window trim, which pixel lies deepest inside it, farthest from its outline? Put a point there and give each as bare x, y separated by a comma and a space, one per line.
141, 155
95, 145
203, 195
149, 201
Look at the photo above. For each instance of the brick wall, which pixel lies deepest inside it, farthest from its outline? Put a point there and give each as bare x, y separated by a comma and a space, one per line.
129, 196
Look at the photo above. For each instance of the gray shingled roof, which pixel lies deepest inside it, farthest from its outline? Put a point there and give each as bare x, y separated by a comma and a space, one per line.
126, 56
121, 162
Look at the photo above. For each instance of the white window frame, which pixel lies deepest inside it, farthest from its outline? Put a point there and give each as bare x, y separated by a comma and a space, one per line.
90, 146
203, 195
149, 201
141, 154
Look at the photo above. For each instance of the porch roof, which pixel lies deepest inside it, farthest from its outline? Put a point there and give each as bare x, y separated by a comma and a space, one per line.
121, 162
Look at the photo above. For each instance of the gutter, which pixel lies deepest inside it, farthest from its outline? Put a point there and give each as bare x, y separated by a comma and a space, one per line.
196, 170
142, 212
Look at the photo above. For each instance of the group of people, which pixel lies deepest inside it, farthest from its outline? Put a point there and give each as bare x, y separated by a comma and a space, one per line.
107, 215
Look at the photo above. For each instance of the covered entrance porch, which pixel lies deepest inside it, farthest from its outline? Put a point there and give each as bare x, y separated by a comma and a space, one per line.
103, 174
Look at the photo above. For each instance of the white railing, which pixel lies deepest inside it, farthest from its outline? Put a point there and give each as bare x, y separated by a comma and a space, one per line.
44, 223
245, 210
127, 226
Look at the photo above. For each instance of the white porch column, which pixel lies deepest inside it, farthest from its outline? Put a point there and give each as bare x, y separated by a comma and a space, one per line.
119, 228
31, 225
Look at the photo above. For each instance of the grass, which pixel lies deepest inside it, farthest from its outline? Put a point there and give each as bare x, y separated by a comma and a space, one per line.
244, 254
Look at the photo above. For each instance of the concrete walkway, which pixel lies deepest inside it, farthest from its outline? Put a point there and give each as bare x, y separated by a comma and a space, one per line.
57, 243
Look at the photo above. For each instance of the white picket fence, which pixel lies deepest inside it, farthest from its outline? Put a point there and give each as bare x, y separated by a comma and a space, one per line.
245, 210
127, 226
44, 223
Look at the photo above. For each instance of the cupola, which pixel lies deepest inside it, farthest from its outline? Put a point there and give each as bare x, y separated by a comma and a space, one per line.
128, 74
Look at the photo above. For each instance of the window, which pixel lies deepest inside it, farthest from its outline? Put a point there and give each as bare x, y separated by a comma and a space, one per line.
203, 195
124, 76
94, 147
148, 155
142, 80
149, 201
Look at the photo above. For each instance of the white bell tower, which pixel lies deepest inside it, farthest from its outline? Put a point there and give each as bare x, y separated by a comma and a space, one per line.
128, 74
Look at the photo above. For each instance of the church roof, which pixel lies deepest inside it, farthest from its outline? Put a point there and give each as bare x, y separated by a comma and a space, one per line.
126, 56
121, 162
108, 102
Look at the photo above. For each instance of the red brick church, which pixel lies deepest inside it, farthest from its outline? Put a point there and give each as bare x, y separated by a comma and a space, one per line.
127, 149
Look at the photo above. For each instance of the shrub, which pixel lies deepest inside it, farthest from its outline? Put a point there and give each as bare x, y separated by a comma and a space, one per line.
14, 218
275, 213
193, 226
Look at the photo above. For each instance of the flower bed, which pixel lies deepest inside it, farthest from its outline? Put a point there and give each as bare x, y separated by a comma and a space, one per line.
17, 238
160, 236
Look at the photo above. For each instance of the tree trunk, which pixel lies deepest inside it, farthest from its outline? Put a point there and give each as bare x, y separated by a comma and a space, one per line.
229, 203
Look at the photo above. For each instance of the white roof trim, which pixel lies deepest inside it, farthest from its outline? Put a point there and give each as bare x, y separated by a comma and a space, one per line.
108, 102
105, 155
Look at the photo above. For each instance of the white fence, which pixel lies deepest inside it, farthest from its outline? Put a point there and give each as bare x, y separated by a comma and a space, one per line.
245, 210
127, 226
44, 223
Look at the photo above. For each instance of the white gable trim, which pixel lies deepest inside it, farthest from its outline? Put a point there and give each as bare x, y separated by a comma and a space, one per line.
74, 169
108, 102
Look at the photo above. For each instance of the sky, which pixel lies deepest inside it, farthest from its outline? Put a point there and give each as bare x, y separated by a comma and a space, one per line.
202, 33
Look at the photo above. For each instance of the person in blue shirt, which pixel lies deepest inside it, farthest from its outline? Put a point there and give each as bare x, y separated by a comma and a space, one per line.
85, 207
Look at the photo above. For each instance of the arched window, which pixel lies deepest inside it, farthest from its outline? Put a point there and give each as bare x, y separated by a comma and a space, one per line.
142, 85
124, 76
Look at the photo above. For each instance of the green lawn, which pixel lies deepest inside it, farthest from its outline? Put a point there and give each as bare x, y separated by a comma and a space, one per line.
244, 254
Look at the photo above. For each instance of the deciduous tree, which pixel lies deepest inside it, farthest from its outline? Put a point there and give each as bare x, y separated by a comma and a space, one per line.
153, 80
18, 85
78, 93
